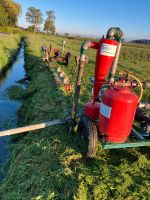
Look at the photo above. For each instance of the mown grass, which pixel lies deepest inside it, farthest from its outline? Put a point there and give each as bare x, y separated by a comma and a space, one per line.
8, 49
47, 164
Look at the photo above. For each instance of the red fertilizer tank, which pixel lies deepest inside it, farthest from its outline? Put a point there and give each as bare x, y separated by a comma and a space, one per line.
117, 112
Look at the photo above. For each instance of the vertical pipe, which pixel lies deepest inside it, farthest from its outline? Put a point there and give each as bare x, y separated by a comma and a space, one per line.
114, 65
50, 47
85, 45
63, 46
78, 87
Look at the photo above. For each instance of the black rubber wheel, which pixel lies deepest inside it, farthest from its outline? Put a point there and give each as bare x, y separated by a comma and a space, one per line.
88, 137
68, 58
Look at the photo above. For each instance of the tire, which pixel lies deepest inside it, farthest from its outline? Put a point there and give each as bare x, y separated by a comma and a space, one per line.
68, 58
88, 137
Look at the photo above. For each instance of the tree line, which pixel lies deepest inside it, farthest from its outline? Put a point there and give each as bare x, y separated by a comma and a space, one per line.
34, 16
9, 13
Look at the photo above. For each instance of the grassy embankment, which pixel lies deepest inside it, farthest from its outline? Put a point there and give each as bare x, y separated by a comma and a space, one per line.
8, 50
47, 164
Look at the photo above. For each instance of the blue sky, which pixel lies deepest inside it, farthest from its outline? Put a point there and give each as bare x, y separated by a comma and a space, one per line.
94, 17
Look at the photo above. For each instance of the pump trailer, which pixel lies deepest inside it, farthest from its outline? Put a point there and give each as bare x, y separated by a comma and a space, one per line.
109, 116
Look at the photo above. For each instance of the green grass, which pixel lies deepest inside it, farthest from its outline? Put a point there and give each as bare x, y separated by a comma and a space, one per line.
48, 164
8, 48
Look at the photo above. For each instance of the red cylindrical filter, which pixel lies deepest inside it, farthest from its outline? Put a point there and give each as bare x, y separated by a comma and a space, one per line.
117, 112
104, 58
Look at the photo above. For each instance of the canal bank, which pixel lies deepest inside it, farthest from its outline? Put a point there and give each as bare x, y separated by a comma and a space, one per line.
9, 107
9, 47
36, 155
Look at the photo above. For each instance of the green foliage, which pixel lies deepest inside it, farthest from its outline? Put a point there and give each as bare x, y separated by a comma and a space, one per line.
66, 34
49, 25
34, 17
16, 92
6, 29
8, 48
135, 54
31, 28
9, 12
3, 17
47, 164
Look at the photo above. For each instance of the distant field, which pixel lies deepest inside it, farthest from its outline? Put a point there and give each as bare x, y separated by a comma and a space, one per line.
47, 164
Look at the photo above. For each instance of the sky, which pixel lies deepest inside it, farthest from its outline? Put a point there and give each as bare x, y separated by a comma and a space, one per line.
95, 17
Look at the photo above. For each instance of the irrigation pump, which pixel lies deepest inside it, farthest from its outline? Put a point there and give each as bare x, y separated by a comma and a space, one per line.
109, 117
55, 55
110, 114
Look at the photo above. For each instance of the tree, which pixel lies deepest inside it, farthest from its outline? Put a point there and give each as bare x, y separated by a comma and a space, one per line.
3, 17
10, 11
31, 28
66, 34
34, 17
49, 25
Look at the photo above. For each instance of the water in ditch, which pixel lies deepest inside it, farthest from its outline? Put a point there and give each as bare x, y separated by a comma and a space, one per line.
8, 107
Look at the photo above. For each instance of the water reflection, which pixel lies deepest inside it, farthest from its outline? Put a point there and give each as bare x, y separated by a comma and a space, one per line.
9, 107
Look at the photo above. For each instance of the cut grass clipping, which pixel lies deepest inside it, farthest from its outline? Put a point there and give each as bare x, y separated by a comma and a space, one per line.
48, 164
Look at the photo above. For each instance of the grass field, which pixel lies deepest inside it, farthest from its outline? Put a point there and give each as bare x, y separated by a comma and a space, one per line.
47, 164
8, 48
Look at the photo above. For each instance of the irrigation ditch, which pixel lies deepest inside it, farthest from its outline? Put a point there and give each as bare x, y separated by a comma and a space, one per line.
12, 58
8, 107
41, 101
